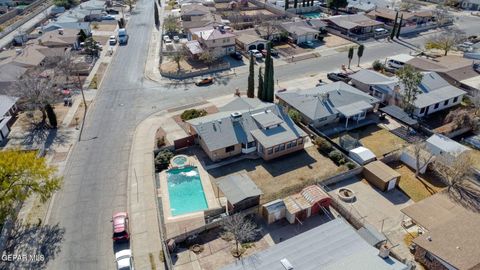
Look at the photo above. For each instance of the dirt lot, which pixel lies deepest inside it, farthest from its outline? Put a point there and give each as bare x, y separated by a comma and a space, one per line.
476, 158
379, 140
417, 189
332, 41
283, 176
186, 66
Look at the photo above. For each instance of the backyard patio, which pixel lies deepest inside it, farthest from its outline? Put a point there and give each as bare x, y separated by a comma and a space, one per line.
283, 176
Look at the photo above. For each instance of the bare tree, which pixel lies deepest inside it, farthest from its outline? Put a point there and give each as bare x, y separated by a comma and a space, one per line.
207, 57
408, 6
178, 57
241, 229
36, 89
446, 41
422, 157
457, 173
461, 118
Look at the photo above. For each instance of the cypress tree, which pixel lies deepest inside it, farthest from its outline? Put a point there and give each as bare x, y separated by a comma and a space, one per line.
360, 50
286, 4
271, 84
303, 3
295, 3
268, 81
155, 14
394, 29
260, 92
251, 79
399, 26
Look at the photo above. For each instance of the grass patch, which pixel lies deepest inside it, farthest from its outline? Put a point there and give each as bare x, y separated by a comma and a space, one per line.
161, 256
94, 82
417, 188
153, 266
346, 48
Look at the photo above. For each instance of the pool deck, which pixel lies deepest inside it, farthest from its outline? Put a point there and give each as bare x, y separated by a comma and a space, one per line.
177, 225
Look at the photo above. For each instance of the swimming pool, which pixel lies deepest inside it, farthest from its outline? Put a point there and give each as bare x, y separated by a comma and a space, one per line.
185, 191
312, 15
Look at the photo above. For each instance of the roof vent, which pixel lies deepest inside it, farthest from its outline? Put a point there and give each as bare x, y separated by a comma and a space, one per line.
286, 264
236, 115
429, 238
214, 127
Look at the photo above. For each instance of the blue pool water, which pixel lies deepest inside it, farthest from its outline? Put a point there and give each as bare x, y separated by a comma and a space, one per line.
185, 191
312, 15
179, 161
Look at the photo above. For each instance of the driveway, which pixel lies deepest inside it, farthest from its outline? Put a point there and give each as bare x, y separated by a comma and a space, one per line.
380, 209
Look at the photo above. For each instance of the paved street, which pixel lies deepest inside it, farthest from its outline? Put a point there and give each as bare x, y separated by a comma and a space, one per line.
95, 183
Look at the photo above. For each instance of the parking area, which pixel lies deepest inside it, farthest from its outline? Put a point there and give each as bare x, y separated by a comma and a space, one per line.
282, 176
379, 209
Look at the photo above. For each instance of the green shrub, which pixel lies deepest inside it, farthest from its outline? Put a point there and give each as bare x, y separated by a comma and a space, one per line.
192, 114
160, 142
377, 65
336, 156
295, 115
323, 145
162, 160
350, 165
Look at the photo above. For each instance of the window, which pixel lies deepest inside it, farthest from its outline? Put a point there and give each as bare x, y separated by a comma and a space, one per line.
436, 106
322, 119
251, 144
270, 151
213, 40
276, 148
455, 99
422, 110
282, 147
445, 103
230, 148
289, 145
300, 141
260, 148
429, 256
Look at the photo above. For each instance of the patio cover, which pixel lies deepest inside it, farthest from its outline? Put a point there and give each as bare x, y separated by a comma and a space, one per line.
238, 187
399, 114
354, 108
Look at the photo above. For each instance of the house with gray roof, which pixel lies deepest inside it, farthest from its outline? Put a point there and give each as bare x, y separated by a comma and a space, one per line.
356, 26
304, 30
329, 103
333, 245
435, 93
247, 126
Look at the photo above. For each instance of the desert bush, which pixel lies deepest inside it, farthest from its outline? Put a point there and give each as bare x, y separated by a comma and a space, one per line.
323, 145
162, 160
192, 114
336, 156
350, 165
377, 65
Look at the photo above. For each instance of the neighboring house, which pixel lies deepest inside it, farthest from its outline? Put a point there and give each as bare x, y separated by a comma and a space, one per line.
367, 5
28, 57
332, 245
356, 26
387, 16
470, 4
8, 109
248, 42
247, 125
9, 74
435, 94
61, 38
450, 238
218, 41
445, 149
207, 20
329, 103
455, 69
267, 32
55, 26
192, 11
305, 30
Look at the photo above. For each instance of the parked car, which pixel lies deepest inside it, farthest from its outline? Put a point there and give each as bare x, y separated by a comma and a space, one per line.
256, 53
112, 40
381, 31
108, 18
394, 64
124, 260
166, 38
338, 77
307, 44
176, 38
236, 55
273, 52
204, 81
120, 226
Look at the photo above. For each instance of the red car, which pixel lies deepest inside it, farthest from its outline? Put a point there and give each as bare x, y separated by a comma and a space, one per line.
120, 226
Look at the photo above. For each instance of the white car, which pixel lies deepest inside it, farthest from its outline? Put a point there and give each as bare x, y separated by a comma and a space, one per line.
124, 260
112, 40
176, 39
166, 39
256, 53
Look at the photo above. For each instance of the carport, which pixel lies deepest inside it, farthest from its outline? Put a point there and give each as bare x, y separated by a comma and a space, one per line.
240, 191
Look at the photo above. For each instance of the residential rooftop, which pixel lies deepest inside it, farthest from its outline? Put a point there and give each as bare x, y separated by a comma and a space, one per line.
333, 245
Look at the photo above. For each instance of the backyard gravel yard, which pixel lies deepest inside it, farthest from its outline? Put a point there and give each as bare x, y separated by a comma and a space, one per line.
283, 176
